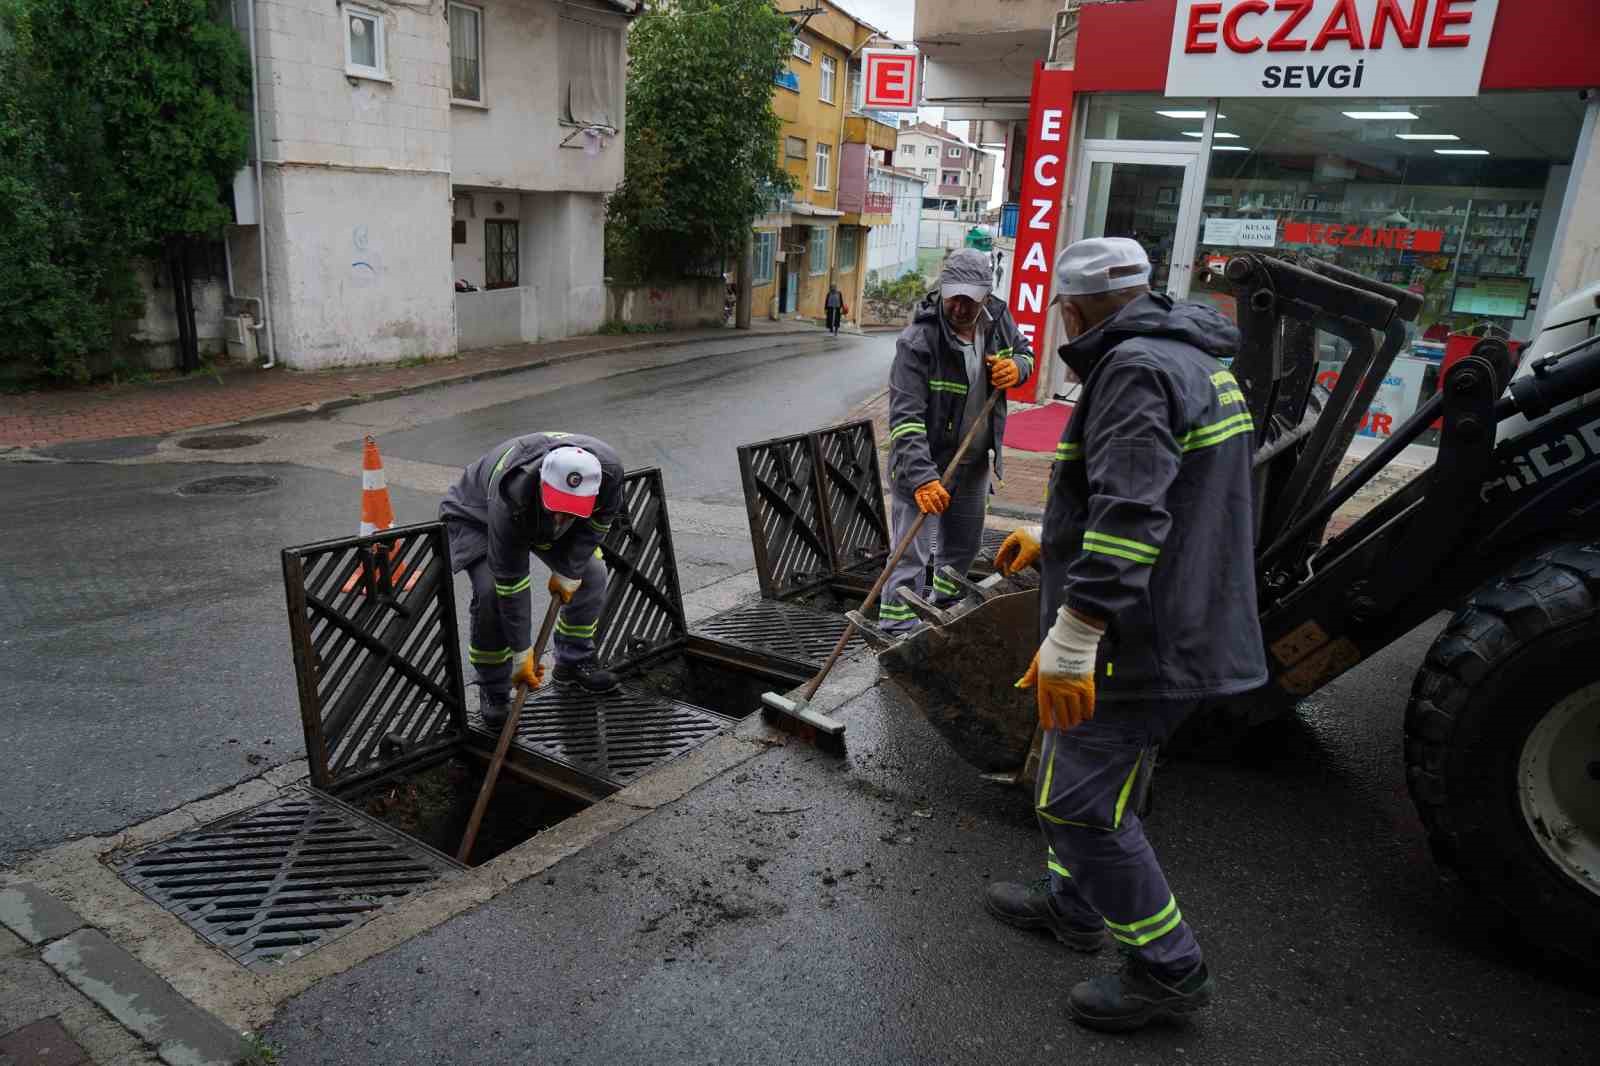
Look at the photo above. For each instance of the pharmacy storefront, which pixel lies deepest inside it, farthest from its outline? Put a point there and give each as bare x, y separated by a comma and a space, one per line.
1434, 144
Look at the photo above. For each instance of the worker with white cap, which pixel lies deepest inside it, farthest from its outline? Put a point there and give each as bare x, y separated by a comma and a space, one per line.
1148, 606
554, 496
960, 345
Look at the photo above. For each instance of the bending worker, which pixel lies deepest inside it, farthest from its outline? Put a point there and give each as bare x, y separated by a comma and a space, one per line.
1148, 606
960, 344
554, 495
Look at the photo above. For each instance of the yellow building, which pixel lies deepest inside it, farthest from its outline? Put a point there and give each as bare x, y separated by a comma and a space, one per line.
817, 236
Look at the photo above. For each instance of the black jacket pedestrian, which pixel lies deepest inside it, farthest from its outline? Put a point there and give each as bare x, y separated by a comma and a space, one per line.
1148, 523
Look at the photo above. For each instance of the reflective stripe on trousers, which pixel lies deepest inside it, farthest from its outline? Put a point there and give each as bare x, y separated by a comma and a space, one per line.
950, 539
1101, 865
488, 651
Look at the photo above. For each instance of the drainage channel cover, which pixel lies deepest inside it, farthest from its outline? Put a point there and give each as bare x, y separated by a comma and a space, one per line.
219, 442
771, 627
612, 737
277, 881
229, 485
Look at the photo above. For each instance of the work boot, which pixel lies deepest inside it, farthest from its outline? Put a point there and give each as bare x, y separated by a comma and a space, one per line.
1028, 905
494, 709
1136, 996
588, 673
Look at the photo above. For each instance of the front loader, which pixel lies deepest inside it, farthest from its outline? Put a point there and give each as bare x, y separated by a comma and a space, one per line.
1502, 733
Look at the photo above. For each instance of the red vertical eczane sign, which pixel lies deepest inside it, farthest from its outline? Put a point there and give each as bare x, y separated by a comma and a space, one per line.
1039, 216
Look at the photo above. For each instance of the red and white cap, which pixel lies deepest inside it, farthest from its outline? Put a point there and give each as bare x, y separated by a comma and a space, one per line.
570, 481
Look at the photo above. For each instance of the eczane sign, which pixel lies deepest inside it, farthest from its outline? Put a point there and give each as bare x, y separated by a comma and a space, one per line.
889, 79
1349, 48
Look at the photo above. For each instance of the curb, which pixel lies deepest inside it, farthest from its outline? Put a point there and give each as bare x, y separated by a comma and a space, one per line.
141, 1001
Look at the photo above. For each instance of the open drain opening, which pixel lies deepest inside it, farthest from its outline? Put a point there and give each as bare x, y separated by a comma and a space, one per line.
703, 681
432, 805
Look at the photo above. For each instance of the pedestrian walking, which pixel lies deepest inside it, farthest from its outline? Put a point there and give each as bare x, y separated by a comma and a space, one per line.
554, 496
833, 304
1147, 606
960, 344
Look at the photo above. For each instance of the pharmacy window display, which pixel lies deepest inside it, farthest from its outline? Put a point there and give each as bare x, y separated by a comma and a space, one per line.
1456, 199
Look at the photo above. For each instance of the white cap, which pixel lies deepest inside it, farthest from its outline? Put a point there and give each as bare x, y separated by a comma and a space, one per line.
571, 481
1085, 267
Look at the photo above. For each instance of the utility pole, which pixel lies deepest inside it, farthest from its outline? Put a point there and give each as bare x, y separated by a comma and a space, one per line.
744, 276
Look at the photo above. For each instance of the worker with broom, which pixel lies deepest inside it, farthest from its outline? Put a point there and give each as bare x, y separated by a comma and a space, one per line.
553, 495
961, 343
1148, 606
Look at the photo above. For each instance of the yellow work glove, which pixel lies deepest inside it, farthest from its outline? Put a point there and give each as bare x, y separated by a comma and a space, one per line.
563, 588
1003, 373
932, 498
1020, 550
525, 670
1062, 672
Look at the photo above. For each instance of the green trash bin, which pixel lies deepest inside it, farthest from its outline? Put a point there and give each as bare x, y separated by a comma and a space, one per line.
977, 238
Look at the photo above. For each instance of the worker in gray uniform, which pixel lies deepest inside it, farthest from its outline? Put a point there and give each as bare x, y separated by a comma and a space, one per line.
553, 495
960, 344
1148, 606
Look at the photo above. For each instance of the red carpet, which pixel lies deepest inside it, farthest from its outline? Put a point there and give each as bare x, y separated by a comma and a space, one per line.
1038, 430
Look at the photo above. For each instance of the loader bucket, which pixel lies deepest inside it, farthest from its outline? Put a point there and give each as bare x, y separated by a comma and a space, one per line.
961, 675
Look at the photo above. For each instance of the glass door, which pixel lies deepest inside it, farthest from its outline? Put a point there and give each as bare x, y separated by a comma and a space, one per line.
1149, 196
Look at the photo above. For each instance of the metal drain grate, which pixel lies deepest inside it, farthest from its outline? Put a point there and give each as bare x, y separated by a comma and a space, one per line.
612, 737
803, 636
229, 485
643, 611
852, 494
786, 525
282, 879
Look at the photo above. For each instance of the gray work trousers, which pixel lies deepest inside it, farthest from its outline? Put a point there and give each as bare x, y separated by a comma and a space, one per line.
950, 539
1102, 868
488, 648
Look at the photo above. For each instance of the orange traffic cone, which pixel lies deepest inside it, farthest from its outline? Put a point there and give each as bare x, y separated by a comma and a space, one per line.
377, 513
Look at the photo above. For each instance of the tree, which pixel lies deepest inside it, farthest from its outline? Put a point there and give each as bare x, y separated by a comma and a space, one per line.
121, 124
702, 139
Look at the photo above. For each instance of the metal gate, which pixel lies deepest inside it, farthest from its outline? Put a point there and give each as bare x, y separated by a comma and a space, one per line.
815, 503
372, 623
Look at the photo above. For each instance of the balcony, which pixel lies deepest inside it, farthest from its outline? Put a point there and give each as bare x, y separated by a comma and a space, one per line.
878, 203
979, 57
860, 128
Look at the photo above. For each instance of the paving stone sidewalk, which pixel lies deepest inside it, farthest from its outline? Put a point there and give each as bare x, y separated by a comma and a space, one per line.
68, 995
242, 394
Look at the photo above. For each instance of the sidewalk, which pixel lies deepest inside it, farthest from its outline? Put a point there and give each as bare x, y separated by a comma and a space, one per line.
246, 394
69, 995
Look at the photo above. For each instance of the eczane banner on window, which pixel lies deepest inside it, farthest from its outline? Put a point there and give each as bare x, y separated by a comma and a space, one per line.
1338, 48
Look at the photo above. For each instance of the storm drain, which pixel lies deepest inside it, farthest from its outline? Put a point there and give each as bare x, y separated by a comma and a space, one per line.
279, 880
772, 627
220, 442
229, 485
612, 737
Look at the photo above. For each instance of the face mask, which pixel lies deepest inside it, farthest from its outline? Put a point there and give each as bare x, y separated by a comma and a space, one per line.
563, 523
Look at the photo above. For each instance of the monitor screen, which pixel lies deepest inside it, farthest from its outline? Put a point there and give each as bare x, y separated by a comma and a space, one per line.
1492, 296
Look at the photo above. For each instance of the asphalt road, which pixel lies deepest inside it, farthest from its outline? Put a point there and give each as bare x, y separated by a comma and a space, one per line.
145, 651
806, 909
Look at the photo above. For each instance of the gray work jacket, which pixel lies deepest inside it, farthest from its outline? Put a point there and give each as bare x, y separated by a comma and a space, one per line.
1148, 523
498, 497
928, 390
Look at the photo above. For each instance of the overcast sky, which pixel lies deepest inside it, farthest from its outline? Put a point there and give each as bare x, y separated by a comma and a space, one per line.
891, 16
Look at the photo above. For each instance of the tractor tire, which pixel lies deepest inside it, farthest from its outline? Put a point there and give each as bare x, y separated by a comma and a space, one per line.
1502, 749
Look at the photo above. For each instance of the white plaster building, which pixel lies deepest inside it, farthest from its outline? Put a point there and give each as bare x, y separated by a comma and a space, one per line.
892, 249
408, 145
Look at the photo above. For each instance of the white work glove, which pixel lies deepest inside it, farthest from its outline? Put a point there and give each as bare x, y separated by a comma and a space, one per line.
1062, 673
563, 588
525, 670
1020, 550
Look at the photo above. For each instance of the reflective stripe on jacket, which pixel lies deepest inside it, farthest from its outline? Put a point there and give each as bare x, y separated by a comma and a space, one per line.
500, 495
928, 390
1148, 523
